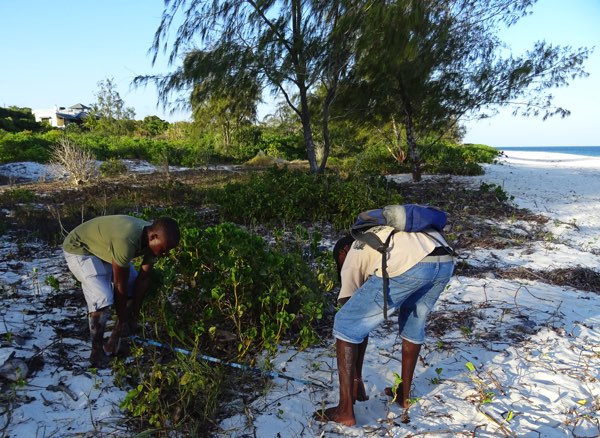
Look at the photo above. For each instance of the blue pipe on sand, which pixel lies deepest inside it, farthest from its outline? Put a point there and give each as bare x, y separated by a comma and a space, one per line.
273, 374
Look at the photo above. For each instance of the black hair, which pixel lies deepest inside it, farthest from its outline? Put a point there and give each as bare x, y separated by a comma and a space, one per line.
340, 249
169, 227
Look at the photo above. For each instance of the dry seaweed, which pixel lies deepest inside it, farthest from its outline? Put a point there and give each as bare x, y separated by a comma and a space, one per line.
577, 277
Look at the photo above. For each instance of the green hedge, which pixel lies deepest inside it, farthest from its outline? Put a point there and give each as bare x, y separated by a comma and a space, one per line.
280, 196
25, 146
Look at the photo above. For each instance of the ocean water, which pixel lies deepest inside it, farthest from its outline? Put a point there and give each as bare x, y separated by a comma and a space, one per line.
589, 151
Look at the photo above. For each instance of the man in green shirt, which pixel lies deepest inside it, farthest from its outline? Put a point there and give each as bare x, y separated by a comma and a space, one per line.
99, 253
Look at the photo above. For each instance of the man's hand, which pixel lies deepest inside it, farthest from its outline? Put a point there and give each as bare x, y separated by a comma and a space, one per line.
118, 341
141, 286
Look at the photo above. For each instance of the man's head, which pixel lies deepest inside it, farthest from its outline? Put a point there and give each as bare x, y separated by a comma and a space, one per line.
163, 236
340, 250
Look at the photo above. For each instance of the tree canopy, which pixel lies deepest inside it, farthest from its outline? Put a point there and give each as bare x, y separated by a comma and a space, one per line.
109, 113
424, 64
429, 64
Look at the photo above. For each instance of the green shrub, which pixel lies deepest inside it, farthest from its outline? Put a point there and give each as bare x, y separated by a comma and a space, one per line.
498, 191
24, 146
230, 281
374, 160
15, 119
16, 196
226, 293
288, 146
112, 167
157, 151
280, 196
440, 158
181, 394
479, 153
454, 159
53, 282
276, 143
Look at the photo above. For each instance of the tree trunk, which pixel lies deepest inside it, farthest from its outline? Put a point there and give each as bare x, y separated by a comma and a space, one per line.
227, 136
326, 137
409, 125
297, 52
307, 133
395, 148
326, 141
413, 154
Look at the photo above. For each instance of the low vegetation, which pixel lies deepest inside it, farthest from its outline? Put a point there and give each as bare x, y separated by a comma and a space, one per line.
245, 281
251, 274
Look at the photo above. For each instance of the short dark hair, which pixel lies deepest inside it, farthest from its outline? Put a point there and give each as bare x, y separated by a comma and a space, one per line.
169, 227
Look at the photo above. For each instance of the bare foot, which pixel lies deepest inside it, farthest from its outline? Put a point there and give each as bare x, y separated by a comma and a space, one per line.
358, 391
390, 393
333, 414
404, 418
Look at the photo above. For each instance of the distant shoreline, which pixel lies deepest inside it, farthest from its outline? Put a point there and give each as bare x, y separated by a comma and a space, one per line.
548, 160
587, 151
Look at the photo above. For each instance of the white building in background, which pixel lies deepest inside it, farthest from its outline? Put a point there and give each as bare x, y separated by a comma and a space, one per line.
59, 117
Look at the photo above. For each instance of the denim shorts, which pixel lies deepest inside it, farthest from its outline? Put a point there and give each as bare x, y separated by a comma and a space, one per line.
95, 276
412, 294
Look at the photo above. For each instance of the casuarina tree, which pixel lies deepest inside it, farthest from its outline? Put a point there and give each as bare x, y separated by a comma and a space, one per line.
285, 47
422, 64
429, 63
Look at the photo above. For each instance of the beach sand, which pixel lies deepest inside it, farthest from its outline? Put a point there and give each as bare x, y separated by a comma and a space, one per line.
563, 187
534, 348
502, 357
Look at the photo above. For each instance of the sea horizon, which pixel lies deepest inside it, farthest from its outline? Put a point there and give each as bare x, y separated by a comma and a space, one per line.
588, 151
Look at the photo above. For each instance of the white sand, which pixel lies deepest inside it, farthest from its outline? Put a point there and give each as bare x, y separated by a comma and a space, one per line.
535, 348
565, 188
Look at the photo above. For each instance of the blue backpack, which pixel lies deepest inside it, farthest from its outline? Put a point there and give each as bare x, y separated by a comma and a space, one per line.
411, 218
408, 217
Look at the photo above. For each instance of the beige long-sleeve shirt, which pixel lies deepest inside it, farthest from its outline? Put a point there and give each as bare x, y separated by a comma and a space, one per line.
405, 251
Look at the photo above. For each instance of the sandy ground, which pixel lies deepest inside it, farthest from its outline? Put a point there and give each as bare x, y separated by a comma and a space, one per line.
502, 358
535, 348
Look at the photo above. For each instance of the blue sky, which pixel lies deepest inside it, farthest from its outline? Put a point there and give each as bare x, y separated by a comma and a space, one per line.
56, 53
572, 23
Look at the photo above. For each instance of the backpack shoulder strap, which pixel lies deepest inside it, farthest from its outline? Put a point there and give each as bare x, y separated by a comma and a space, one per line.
370, 238
373, 240
384, 274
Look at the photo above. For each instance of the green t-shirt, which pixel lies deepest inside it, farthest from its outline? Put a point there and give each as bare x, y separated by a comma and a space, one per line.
109, 238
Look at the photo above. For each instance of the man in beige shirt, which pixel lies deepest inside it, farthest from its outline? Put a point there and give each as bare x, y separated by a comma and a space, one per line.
419, 267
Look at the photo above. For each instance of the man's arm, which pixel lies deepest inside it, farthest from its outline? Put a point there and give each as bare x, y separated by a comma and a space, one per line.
142, 284
120, 280
127, 315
